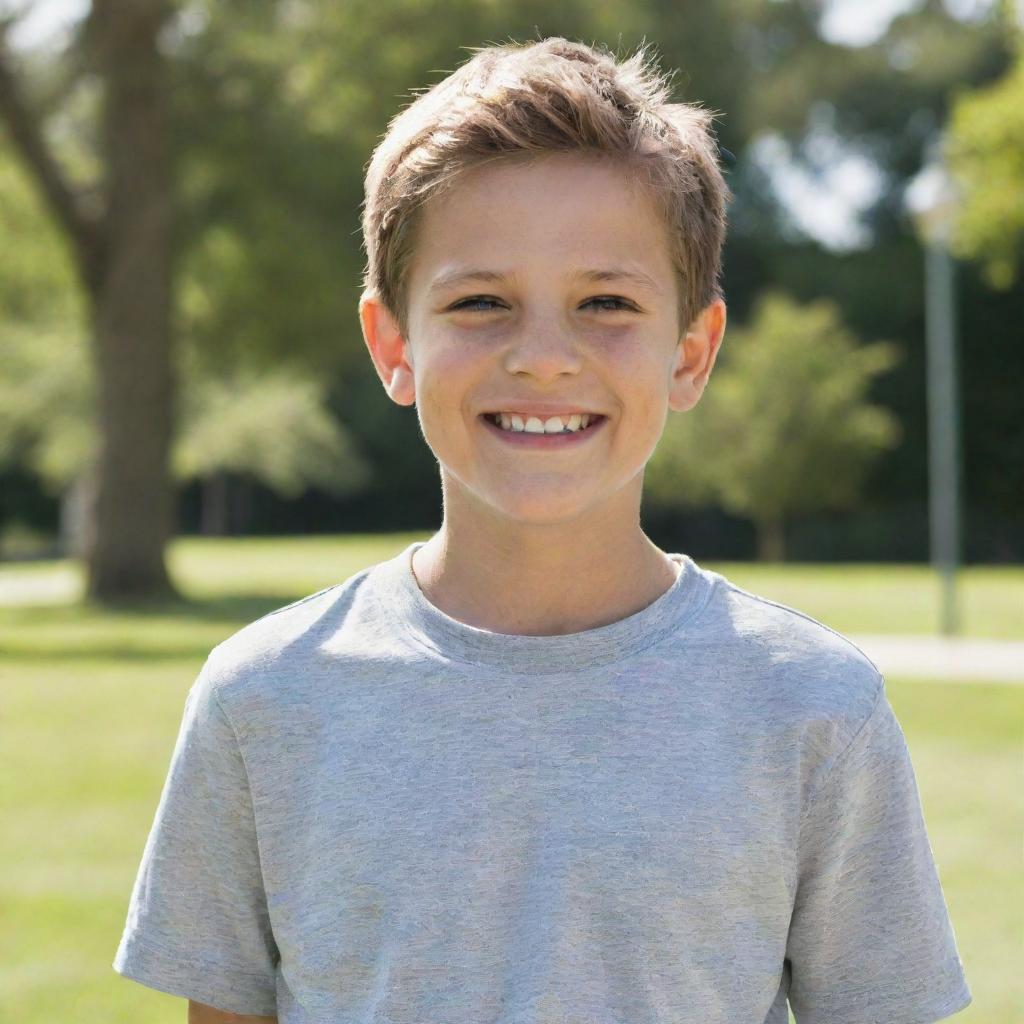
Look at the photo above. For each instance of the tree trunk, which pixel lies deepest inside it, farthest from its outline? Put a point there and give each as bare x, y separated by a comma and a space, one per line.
131, 310
242, 506
214, 505
77, 518
123, 248
771, 540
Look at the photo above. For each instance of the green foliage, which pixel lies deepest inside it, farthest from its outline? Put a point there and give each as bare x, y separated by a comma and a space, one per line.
277, 107
277, 104
47, 400
274, 428
885, 99
783, 426
36, 277
46, 379
986, 156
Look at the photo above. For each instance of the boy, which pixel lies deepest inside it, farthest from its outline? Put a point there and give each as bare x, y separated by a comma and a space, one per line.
535, 769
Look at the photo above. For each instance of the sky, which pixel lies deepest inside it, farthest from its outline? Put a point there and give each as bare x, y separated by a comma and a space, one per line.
826, 207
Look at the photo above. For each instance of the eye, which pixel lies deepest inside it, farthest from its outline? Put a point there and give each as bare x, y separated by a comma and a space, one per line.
610, 303
483, 303
487, 303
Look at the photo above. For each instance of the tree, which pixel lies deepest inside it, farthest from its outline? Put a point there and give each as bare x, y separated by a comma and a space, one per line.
274, 106
273, 428
47, 393
985, 148
118, 229
783, 427
254, 172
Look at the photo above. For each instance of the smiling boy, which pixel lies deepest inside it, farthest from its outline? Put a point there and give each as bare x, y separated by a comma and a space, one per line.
535, 770
538, 288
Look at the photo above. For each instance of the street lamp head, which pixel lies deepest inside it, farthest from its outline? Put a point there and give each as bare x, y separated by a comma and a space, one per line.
933, 199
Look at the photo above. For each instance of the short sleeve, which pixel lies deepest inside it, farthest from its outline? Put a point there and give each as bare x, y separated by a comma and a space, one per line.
198, 925
870, 937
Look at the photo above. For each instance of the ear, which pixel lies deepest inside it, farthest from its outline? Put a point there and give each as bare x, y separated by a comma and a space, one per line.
695, 356
388, 349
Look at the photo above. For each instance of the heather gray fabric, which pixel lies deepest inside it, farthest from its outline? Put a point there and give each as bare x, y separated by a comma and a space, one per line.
376, 813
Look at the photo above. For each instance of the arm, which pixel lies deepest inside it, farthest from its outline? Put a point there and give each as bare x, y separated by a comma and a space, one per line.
870, 935
198, 924
199, 1013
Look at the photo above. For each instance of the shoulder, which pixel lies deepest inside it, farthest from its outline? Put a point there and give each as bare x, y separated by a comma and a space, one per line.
794, 670
283, 646
787, 635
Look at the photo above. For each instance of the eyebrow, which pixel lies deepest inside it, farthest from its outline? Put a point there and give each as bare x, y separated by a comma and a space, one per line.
457, 277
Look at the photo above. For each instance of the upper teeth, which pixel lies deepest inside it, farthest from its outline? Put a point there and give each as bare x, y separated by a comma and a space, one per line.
535, 425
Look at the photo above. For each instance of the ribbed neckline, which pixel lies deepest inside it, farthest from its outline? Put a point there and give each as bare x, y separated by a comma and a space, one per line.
449, 638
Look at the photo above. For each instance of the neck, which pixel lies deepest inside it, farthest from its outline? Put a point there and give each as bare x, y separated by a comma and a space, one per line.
542, 581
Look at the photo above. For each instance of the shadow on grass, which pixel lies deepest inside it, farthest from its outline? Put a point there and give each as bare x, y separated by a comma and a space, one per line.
241, 608
145, 630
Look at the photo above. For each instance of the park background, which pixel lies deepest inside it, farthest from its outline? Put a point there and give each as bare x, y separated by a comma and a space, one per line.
192, 433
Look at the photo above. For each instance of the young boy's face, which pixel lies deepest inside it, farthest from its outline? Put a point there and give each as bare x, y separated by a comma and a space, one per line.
543, 286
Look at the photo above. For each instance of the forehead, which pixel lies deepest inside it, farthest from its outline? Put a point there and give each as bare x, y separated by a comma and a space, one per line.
540, 216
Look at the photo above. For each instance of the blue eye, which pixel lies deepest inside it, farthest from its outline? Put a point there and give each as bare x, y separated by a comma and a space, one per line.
484, 303
476, 302
617, 303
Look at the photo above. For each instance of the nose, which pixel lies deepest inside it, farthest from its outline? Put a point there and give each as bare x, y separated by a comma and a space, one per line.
543, 348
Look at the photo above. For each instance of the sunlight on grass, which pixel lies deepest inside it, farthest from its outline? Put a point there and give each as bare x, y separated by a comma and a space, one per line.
231, 581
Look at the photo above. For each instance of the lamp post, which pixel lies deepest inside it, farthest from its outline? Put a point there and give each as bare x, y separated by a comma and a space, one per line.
932, 199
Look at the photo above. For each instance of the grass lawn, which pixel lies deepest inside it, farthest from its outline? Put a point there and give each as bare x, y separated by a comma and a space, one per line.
90, 705
230, 582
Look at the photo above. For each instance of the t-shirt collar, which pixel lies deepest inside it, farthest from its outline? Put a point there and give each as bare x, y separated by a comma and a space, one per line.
675, 610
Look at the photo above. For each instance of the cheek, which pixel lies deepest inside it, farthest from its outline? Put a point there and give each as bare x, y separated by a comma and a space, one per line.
643, 380
639, 363
436, 362
444, 379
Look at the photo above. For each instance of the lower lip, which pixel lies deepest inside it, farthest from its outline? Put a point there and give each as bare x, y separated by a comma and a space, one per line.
522, 439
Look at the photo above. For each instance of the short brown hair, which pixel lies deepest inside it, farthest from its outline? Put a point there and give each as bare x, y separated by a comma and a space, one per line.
542, 97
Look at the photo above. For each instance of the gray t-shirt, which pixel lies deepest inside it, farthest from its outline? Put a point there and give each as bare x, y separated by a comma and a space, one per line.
377, 813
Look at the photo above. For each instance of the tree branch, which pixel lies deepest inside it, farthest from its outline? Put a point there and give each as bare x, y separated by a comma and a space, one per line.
83, 228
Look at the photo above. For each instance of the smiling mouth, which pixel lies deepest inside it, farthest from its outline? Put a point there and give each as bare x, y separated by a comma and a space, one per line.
537, 441
529, 427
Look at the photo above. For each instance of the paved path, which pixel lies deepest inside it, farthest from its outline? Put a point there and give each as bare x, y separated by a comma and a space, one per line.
934, 657
896, 655
55, 586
